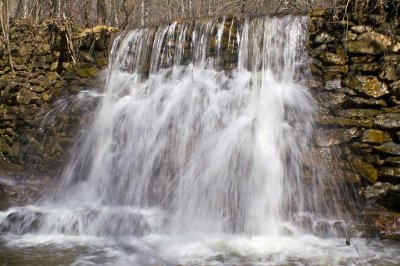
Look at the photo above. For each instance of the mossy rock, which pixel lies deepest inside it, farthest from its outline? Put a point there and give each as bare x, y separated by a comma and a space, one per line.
88, 72
373, 136
368, 85
366, 170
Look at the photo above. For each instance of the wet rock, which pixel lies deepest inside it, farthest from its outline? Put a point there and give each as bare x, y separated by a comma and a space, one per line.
332, 59
330, 137
388, 121
322, 229
389, 226
22, 222
385, 194
328, 99
366, 170
339, 230
373, 136
363, 102
369, 85
353, 113
338, 121
392, 172
389, 148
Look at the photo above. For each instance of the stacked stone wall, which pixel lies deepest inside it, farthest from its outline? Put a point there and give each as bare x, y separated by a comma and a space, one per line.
356, 70
42, 64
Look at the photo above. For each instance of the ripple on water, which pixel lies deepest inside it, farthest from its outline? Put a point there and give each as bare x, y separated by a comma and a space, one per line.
194, 250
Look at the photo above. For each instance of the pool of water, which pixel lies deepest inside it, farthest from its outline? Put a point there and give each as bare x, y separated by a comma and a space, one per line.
155, 249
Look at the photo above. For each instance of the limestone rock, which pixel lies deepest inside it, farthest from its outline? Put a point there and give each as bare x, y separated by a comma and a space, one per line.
366, 170
362, 102
370, 43
393, 172
353, 113
361, 147
362, 59
385, 194
86, 72
317, 12
389, 120
26, 96
324, 38
330, 137
328, 99
365, 67
333, 84
332, 59
390, 72
393, 160
369, 85
373, 136
338, 121
390, 148
361, 28
332, 72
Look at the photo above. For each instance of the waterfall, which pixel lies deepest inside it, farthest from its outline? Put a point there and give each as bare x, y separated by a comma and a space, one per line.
204, 126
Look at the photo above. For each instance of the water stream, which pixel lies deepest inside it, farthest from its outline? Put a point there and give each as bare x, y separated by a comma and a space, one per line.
197, 155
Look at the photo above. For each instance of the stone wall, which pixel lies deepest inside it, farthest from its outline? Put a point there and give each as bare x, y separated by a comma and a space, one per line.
45, 64
356, 70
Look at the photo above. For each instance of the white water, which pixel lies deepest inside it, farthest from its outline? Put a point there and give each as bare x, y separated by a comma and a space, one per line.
187, 163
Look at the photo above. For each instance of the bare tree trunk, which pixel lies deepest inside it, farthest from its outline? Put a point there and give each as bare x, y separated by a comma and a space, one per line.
101, 12
5, 27
57, 8
143, 13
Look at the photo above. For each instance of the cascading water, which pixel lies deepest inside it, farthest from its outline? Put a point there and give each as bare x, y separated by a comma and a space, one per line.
202, 137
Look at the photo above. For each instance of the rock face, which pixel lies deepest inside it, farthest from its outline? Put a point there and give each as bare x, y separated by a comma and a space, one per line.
357, 64
43, 74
